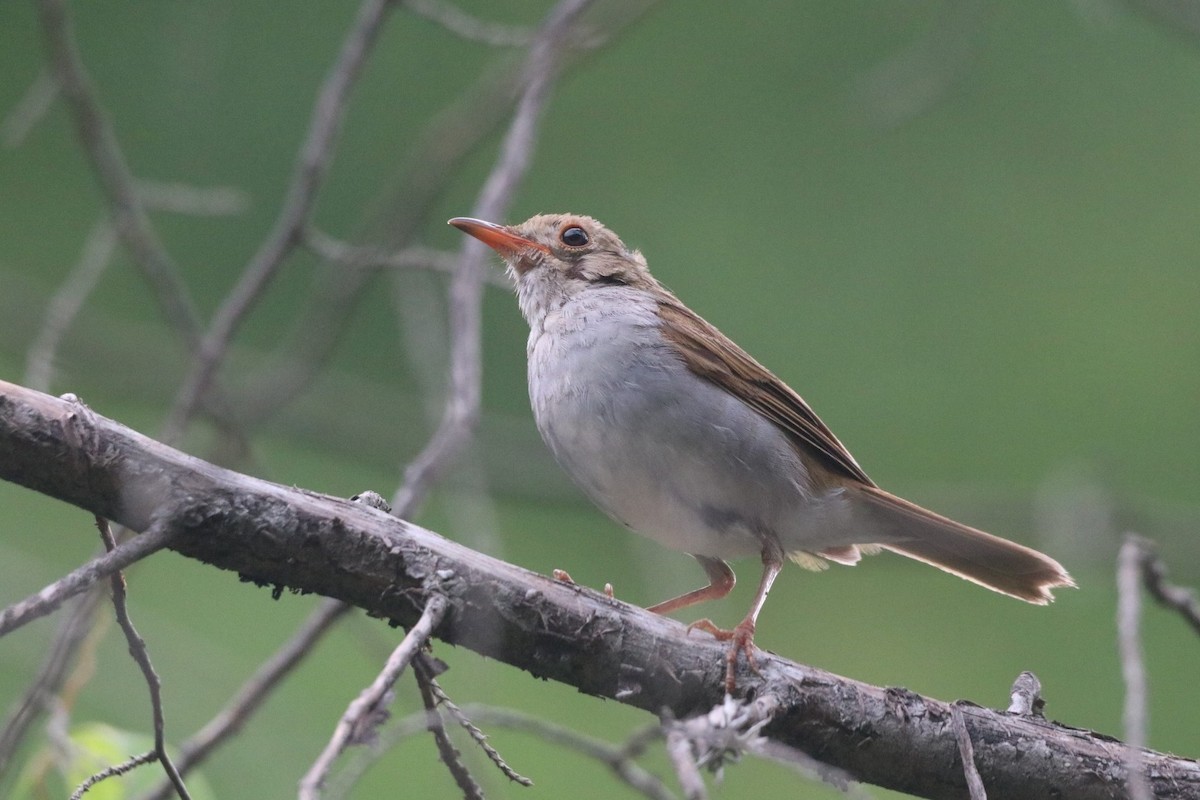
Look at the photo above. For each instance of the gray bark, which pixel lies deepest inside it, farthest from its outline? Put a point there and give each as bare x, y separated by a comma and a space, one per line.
286, 537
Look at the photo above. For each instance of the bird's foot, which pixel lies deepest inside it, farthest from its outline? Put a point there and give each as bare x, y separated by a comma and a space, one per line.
741, 640
562, 576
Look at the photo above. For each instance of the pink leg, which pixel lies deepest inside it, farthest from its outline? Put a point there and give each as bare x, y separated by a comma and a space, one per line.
741, 638
720, 583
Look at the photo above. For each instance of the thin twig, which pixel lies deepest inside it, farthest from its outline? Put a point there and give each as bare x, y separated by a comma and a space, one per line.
725, 733
966, 752
254, 692
229, 721
683, 761
29, 110
451, 136
116, 181
1132, 669
79, 579
120, 189
468, 27
448, 140
137, 649
195, 201
116, 769
97, 254
618, 758
477, 736
312, 164
403, 207
67, 302
446, 749
71, 633
811, 768
359, 256
368, 703
462, 405
1178, 598
734, 728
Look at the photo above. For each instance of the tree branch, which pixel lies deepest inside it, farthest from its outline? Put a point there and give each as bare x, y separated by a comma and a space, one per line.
254, 692
447, 752
289, 537
461, 412
72, 631
141, 655
78, 580
403, 207
473, 29
1129, 641
99, 142
361, 716
111, 772
312, 163
29, 110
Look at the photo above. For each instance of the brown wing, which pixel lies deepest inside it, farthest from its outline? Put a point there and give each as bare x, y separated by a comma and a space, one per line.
711, 355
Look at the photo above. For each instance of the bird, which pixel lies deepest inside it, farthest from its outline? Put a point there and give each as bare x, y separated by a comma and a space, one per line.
677, 433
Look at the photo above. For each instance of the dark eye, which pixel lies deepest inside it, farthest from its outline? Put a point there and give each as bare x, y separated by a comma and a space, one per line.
574, 236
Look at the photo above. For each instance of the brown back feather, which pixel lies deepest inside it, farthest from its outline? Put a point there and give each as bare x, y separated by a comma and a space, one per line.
711, 355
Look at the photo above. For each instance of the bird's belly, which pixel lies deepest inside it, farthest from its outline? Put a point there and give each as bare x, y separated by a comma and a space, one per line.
665, 453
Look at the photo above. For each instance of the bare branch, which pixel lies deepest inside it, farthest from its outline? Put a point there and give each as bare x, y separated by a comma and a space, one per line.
451, 136
287, 537
78, 580
462, 405
683, 760
449, 139
29, 110
810, 768
254, 692
229, 721
312, 164
1154, 577
619, 758
730, 730
446, 750
137, 649
196, 201
471, 28
116, 181
67, 302
95, 257
113, 771
359, 256
733, 728
966, 752
1129, 613
477, 736
71, 633
369, 702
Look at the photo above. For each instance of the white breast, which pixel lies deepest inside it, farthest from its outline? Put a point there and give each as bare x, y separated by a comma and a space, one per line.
660, 450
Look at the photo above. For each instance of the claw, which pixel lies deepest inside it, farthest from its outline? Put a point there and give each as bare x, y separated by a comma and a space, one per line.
741, 640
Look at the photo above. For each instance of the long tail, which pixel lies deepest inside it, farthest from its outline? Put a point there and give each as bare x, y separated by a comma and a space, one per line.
990, 561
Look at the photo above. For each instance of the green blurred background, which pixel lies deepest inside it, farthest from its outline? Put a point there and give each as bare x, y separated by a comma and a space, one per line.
966, 232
